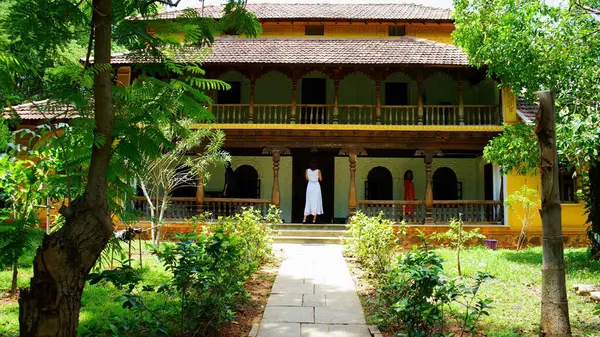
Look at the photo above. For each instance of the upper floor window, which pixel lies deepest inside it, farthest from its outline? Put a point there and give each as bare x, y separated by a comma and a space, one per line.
396, 30
231, 96
396, 93
314, 30
566, 186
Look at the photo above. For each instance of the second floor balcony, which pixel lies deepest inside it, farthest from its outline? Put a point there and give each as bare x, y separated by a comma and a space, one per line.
395, 97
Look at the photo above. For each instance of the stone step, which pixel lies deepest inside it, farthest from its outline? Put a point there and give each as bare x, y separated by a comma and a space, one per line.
312, 232
306, 239
310, 226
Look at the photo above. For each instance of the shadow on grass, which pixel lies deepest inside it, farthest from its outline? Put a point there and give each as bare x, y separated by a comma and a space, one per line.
576, 260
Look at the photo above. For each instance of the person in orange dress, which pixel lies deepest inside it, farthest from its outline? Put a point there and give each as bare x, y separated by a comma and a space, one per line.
409, 192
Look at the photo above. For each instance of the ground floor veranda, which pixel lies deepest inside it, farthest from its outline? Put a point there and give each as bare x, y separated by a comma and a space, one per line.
364, 170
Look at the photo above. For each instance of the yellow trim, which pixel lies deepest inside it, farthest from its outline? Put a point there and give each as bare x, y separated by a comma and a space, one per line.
341, 127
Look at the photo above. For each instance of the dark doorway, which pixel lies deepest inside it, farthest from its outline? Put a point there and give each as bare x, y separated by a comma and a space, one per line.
445, 184
488, 181
300, 161
396, 93
187, 183
247, 182
314, 92
231, 96
379, 184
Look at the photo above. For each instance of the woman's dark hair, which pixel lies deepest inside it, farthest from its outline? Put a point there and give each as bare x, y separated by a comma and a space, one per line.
407, 173
313, 164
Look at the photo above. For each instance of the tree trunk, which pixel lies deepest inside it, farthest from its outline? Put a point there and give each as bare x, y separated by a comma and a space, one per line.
15, 275
555, 309
50, 307
593, 193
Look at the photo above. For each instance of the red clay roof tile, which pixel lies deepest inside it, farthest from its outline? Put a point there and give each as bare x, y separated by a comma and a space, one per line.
404, 51
300, 11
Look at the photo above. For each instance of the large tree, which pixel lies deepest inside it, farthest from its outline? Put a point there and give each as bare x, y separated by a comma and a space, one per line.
532, 46
50, 307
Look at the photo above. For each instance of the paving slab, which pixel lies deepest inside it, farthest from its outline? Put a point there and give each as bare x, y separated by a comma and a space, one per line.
313, 295
289, 314
334, 330
285, 300
270, 329
339, 315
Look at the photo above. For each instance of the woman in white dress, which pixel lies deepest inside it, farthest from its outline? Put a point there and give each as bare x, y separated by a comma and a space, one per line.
314, 201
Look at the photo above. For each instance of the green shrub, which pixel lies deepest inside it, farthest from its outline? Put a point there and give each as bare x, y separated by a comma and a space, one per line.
411, 293
372, 241
208, 269
456, 236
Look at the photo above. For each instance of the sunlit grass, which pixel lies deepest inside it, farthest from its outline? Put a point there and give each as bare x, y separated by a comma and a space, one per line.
516, 288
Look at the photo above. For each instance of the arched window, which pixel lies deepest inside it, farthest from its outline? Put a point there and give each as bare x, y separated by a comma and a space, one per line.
379, 184
186, 183
445, 184
247, 182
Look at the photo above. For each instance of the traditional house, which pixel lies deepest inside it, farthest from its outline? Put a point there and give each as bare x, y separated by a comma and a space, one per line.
371, 92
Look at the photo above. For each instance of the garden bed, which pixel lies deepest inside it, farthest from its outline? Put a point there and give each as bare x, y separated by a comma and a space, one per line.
515, 289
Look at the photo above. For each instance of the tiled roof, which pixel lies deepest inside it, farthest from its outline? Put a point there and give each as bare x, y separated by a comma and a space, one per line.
405, 51
527, 110
40, 110
299, 11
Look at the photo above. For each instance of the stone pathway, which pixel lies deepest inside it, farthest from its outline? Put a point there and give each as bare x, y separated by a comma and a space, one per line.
313, 296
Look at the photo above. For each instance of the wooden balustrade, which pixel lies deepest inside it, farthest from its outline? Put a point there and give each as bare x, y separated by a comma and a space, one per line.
272, 113
482, 115
441, 115
395, 210
178, 208
315, 114
400, 115
229, 206
185, 208
231, 113
473, 211
357, 114
413, 212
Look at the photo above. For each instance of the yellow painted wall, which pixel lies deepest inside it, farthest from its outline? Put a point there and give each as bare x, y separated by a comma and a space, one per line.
573, 216
429, 31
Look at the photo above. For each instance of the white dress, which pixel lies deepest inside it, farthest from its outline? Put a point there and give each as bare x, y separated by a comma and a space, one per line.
314, 201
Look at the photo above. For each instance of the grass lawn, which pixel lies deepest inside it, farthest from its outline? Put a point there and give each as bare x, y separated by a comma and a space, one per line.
516, 289
101, 304
517, 286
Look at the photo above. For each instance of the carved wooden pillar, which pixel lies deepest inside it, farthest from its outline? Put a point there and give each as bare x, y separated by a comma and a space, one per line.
293, 112
378, 101
251, 101
275, 198
200, 194
428, 157
420, 97
336, 100
428, 190
352, 192
461, 108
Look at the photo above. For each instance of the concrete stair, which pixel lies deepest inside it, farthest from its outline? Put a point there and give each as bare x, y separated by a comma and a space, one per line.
309, 233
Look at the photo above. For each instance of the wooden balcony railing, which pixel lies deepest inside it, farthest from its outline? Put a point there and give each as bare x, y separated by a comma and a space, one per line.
229, 206
479, 212
178, 208
414, 212
395, 210
185, 208
357, 114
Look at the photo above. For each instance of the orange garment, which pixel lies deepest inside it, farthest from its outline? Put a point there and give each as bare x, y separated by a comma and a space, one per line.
409, 194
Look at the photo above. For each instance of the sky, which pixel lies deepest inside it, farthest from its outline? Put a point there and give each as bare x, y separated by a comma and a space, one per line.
433, 3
